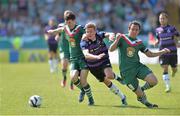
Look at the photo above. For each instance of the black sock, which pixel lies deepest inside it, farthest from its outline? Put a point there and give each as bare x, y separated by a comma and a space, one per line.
64, 72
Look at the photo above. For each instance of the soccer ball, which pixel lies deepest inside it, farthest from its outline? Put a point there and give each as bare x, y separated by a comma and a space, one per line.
35, 101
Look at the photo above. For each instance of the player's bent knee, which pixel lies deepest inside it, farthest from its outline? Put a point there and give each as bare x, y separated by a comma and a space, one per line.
153, 82
74, 79
110, 76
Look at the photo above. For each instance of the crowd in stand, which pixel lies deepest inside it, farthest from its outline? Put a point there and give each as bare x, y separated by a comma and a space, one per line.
29, 17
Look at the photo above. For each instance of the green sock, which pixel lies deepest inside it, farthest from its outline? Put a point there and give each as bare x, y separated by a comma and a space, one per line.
146, 86
142, 99
78, 85
87, 89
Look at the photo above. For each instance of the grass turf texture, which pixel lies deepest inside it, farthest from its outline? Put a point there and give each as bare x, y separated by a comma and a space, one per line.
20, 81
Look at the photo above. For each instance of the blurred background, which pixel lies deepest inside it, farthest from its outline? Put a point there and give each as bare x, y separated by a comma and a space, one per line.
22, 22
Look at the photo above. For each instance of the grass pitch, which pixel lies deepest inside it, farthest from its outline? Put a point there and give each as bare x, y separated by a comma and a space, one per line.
20, 81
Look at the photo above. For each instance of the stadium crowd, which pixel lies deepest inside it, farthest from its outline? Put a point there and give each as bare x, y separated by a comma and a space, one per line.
29, 17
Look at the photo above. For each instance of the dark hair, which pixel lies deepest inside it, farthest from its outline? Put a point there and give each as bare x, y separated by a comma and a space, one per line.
135, 23
69, 15
164, 13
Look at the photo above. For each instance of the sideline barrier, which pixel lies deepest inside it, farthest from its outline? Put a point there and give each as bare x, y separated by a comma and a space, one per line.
13, 56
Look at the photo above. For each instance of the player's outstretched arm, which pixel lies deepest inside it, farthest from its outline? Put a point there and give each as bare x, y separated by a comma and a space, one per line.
91, 56
55, 31
113, 46
110, 36
46, 36
159, 53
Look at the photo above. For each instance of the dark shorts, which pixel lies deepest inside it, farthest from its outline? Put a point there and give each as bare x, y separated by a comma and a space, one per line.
98, 72
168, 60
53, 47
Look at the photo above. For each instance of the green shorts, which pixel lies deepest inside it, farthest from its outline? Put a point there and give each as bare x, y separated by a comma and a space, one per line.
79, 64
64, 55
130, 77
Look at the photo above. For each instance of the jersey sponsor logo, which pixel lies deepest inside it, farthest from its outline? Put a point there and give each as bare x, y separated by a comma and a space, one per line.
130, 51
169, 31
166, 38
72, 42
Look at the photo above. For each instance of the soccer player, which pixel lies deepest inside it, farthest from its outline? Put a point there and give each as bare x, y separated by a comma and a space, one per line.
64, 56
52, 44
97, 58
166, 38
73, 33
131, 69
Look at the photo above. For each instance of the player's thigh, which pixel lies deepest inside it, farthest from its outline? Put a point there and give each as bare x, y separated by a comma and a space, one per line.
53, 48
64, 63
128, 76
74, 65
130, 79
82, 64
107, 82
133, 85
83, 77
143, 71
151, 79
173, 61
109, 73
163, 60
98, 73
74, 75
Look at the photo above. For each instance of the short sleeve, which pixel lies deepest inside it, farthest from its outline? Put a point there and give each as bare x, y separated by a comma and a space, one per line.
101, 34
143, 48
157, 34
175, 31
45, 30
84, 44
118, 36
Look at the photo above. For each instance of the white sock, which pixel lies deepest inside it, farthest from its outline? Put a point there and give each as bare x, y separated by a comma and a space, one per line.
115, 76
166, 80
51, 63
55, 63
116, 91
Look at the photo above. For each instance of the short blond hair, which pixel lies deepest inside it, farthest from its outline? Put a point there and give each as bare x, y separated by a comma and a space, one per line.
90, 25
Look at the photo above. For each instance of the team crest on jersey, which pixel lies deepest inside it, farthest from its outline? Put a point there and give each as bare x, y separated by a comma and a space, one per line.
169, 31
130, 51
72, 42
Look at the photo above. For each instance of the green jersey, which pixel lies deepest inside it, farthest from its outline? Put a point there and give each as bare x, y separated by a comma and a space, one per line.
128, 49
74, 37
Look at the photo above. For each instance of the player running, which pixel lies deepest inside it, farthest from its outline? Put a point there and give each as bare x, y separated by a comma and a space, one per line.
73, 33
166, 39
53, 46
97, 58
131, 69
